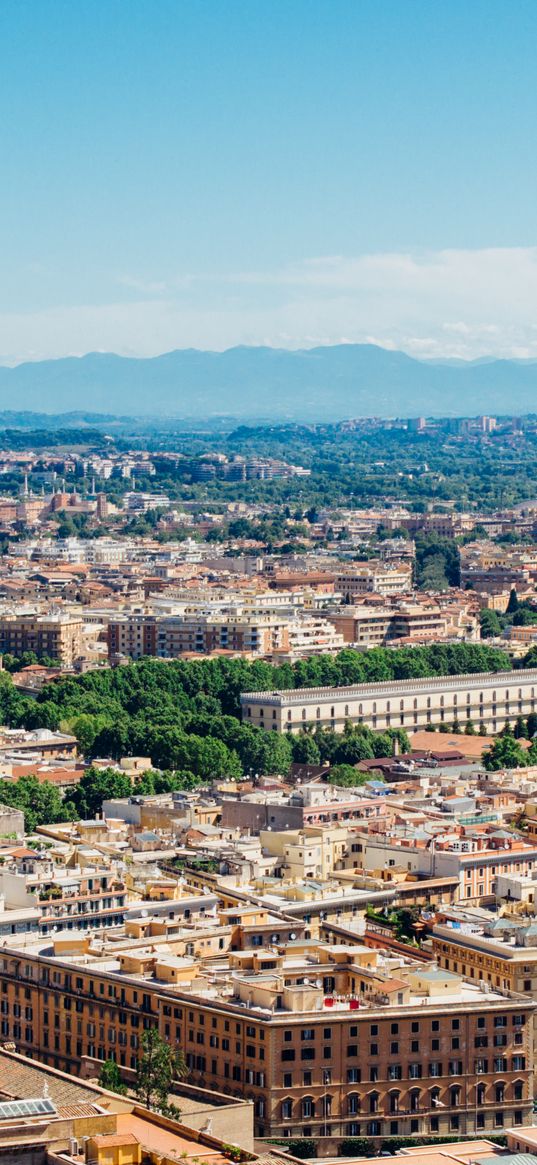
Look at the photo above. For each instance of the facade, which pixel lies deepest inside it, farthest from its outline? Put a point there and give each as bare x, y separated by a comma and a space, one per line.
380, 578
490, 698
374, 627
263, 634
503, 955
342, 1051
59, 636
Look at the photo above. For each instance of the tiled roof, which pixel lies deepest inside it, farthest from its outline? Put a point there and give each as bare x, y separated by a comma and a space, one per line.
20, 1081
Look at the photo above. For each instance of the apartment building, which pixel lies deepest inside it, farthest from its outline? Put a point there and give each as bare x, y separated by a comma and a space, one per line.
502, 952
491, 698
325, 1040
263, 634
59, 636
382, 578
377, 627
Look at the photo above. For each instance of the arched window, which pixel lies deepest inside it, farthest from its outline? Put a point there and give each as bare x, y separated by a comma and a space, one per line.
387, 705
507, 693
303, 713
289, 714
428, 701
481, 1094
481, 697
327, 1105
394, 1101
499, 1092
287, 1109
374, 705
318, 713
308, 1107
360, 709
455, 1095
346, 709
518, 1090
415, 703
353, 1104
441, 701
373, 1101
454, 697
402, 705
415, 1100
332, 713
435, 1097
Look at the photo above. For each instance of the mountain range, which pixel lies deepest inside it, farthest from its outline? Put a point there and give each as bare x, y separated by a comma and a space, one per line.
315, 384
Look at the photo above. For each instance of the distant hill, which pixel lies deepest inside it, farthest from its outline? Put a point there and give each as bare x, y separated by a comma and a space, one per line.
328, 383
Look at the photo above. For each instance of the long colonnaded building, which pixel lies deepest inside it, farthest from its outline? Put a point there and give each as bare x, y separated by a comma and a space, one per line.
489, 698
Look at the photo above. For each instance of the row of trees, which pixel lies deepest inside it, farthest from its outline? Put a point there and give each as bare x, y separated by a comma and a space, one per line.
185, 716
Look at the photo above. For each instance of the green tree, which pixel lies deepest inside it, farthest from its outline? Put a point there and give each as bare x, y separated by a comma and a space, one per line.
347, 776
157, 1068
490, 623
40, 801
96, 786
520, 730
305, 750
513, 603
505, 753
110, 1077
351, 749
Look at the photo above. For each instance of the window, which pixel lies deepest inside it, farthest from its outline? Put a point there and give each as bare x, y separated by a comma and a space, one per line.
287, 1109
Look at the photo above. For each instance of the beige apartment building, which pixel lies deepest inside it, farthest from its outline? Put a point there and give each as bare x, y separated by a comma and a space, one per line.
59, 636
263, 634
375, 627
375, 577
491, 698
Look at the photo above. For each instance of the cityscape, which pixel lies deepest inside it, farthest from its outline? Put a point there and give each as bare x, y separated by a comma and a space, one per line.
268, 582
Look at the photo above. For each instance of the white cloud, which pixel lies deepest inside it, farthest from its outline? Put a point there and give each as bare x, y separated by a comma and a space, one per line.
443, 303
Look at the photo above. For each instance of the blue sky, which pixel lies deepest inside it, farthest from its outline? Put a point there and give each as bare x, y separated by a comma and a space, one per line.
289, 172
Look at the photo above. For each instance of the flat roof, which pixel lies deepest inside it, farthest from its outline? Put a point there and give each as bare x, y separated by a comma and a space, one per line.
389, 687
